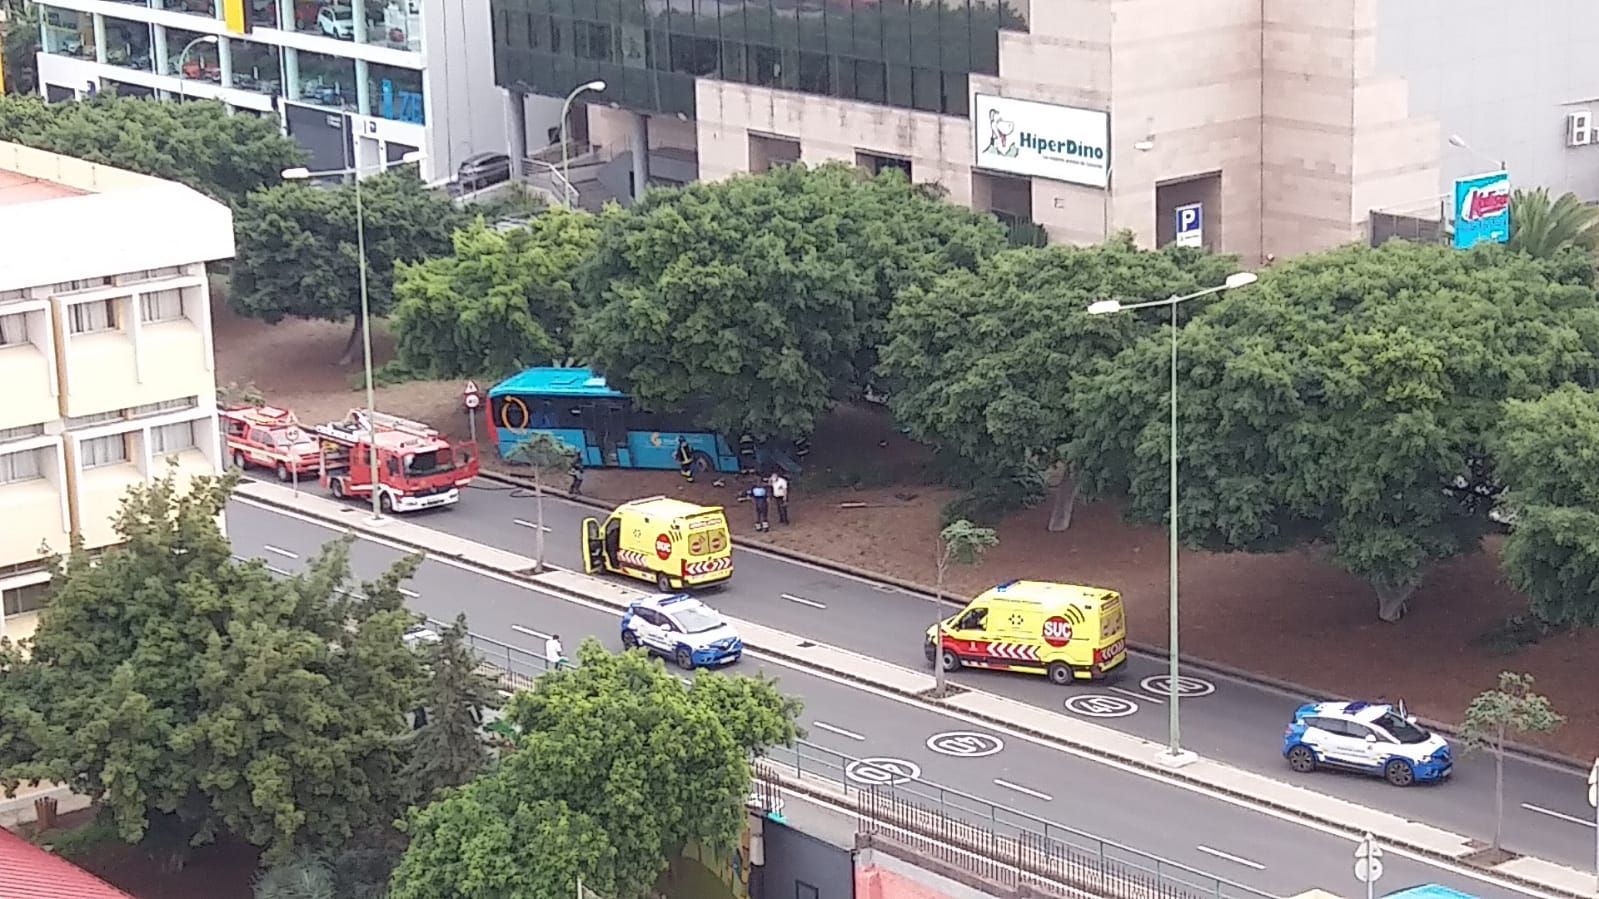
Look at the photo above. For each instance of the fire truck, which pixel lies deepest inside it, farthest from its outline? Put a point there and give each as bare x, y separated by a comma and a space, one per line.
418, 467
269, 437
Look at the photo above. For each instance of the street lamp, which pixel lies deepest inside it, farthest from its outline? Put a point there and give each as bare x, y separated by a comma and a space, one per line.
1174, 756
184, 53
1456, 140
566, 109
300, 173
1143, 146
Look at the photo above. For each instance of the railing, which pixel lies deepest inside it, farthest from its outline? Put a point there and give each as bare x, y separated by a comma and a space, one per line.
560, 187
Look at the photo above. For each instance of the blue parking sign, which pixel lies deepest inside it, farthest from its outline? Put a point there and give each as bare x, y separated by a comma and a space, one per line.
1190, 222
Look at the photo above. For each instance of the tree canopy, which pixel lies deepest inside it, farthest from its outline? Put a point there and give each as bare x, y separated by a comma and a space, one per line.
504, 301
19, 47
1349, 398
298, 250
758, 300
1542, 226
191, 695
620, 764
448, 749
196, 143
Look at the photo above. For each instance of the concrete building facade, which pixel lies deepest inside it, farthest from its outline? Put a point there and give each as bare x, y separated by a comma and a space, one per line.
105, 351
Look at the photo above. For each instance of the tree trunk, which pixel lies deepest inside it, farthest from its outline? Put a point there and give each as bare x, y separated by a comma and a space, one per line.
352, 343
1060, 518
1499, 786
538, 532
1393, 598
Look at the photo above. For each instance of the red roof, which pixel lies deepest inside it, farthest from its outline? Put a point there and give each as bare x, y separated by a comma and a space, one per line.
28, 872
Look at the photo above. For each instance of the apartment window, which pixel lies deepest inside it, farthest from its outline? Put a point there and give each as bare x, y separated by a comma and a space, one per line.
161, 306
14, 329
153, 274
17, 600
22, 433
188, 402
84, 284
26, 465
87, 318
98, 418
7, 296
173, 438
100, 451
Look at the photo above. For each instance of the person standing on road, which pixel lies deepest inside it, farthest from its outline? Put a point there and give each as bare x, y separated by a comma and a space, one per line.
685, 460
554, 655
780, 496
758, 494
576, 489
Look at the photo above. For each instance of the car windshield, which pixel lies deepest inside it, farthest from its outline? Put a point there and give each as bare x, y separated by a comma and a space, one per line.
1403, 730
697, 621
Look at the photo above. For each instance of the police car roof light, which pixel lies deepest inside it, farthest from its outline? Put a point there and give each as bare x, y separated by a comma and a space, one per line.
674, 599
1356, 706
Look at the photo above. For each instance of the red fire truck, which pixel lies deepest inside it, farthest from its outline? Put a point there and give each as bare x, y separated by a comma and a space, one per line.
269, 437
418, 467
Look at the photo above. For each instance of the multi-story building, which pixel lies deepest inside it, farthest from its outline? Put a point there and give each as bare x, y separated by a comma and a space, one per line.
357, 91
105, 353
1270, 127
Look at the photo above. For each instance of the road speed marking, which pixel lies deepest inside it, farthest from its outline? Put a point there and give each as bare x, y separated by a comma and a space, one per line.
882, 771
965, 744
1100, 705
1187, 687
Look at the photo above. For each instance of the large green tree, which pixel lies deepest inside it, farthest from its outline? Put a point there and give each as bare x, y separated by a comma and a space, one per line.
191, 695
759, 300
619, 765
298, 249
505, 299
1348, 399
19, 46
196, 143
1543, 226
448, 749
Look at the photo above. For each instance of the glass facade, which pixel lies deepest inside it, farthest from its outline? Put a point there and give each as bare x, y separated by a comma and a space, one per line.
914, 55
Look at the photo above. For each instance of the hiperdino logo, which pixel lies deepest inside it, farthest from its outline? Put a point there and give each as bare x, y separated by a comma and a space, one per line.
1005, 140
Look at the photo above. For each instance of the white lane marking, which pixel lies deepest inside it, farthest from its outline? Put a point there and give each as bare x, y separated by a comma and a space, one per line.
1554, 814
803, 601
529, 631
823, 725
1141, 697
1021, 789
282, 552
411, 593
529, 524
1226, 856
1353, 835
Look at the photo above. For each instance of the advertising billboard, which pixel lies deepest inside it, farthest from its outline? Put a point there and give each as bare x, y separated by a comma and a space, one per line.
1482, 210
1024, 137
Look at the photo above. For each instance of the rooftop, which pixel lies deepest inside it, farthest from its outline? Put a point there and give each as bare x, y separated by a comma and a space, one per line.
19, 188
29, 872
555, 382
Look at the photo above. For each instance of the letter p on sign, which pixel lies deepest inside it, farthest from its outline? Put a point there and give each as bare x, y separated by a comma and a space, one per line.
1190, 225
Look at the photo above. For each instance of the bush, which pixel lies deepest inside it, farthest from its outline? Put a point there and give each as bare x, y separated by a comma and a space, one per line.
992, 497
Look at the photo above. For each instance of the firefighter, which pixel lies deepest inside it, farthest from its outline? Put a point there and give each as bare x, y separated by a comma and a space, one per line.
685, 460
576, 488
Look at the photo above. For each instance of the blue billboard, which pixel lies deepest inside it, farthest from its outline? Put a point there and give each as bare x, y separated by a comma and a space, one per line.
1482, 210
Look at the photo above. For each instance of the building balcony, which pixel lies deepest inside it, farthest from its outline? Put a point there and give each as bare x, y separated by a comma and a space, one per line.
17, 628
135, 345
34, 501
30, 396
99, 497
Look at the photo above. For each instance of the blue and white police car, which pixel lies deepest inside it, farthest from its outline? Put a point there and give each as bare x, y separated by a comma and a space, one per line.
1372, 738
683, 629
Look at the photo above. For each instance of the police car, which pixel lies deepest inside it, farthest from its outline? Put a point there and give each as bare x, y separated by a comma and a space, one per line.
683, 629
1371, 738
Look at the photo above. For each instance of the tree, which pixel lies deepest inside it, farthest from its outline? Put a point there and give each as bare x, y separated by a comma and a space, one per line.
1511, 709
1545, 455
543, 454
305, 876
19, 46
959, 543
448, 750
504, 301
620, 764
190, 695
197, 143
755, 302
1348, 399
1542, 228
979, 364
298, 250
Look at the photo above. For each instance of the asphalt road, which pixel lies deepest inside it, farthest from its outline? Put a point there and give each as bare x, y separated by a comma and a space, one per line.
1546, 812
1258, 849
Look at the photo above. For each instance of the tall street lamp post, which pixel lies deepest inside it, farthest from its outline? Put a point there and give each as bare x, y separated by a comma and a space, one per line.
303, 174
566, 109
1174, 756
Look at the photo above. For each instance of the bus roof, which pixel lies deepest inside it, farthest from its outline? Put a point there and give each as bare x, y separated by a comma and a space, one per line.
1429, 891
555, 382
666, 508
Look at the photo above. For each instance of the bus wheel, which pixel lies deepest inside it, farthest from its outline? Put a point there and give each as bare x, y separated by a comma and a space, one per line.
702, 463
663, 583
1060, 673
283, 472
337, 486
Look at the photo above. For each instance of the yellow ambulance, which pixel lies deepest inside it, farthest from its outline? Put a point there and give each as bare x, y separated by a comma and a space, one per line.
674, 544
1066, 632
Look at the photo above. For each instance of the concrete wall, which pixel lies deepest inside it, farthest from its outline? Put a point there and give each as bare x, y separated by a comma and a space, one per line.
465, 108
800, 866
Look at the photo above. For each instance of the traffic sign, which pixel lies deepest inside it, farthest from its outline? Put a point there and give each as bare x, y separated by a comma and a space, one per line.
470, 395
1368, 870
1189, 230
1368, 848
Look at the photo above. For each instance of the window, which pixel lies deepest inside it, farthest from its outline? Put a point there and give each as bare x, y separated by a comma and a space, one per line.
18, 600
153, 274
593, 41
87, 318
101, 451
27, 465
22, 433
173, 438
188, 402
14, 329
693, 55
7, 296
98, 418
161, 306
814, 74
84, 284
1403, 730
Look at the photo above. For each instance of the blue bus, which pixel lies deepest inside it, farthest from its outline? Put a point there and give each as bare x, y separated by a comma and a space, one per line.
577, 407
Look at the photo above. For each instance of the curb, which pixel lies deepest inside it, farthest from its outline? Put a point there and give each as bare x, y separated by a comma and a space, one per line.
1547, 756
1145, 765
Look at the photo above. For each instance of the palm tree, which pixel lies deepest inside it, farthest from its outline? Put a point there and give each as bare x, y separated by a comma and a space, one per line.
1541, 228
303, 876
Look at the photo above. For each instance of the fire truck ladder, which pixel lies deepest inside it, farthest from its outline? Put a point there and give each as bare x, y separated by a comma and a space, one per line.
355, 427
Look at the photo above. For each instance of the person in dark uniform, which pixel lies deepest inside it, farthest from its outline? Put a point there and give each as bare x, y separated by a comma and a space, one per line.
685, 460
576, 488
758, 495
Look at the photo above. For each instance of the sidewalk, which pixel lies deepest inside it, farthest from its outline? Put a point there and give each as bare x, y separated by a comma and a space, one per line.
19, 809
1053, 726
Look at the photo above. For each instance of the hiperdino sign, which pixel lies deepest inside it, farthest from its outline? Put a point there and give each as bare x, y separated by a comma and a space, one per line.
1024, 137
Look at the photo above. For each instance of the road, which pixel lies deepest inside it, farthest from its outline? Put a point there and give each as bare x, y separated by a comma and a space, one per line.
1262, 850
1233, 721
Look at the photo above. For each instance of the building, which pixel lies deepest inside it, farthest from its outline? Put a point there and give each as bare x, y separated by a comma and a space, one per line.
355, 91
29, 872
105, 352
1270, 127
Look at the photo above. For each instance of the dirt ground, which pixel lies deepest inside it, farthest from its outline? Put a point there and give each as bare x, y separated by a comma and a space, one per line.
1292, 616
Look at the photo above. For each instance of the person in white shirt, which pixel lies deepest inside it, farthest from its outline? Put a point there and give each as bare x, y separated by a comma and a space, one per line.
780, 496
553, 654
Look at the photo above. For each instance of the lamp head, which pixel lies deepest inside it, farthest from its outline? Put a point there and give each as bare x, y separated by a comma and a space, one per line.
298, 173
1240, 279
594, 86
1104, 307
413, 156
1144, 146
1456, 140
